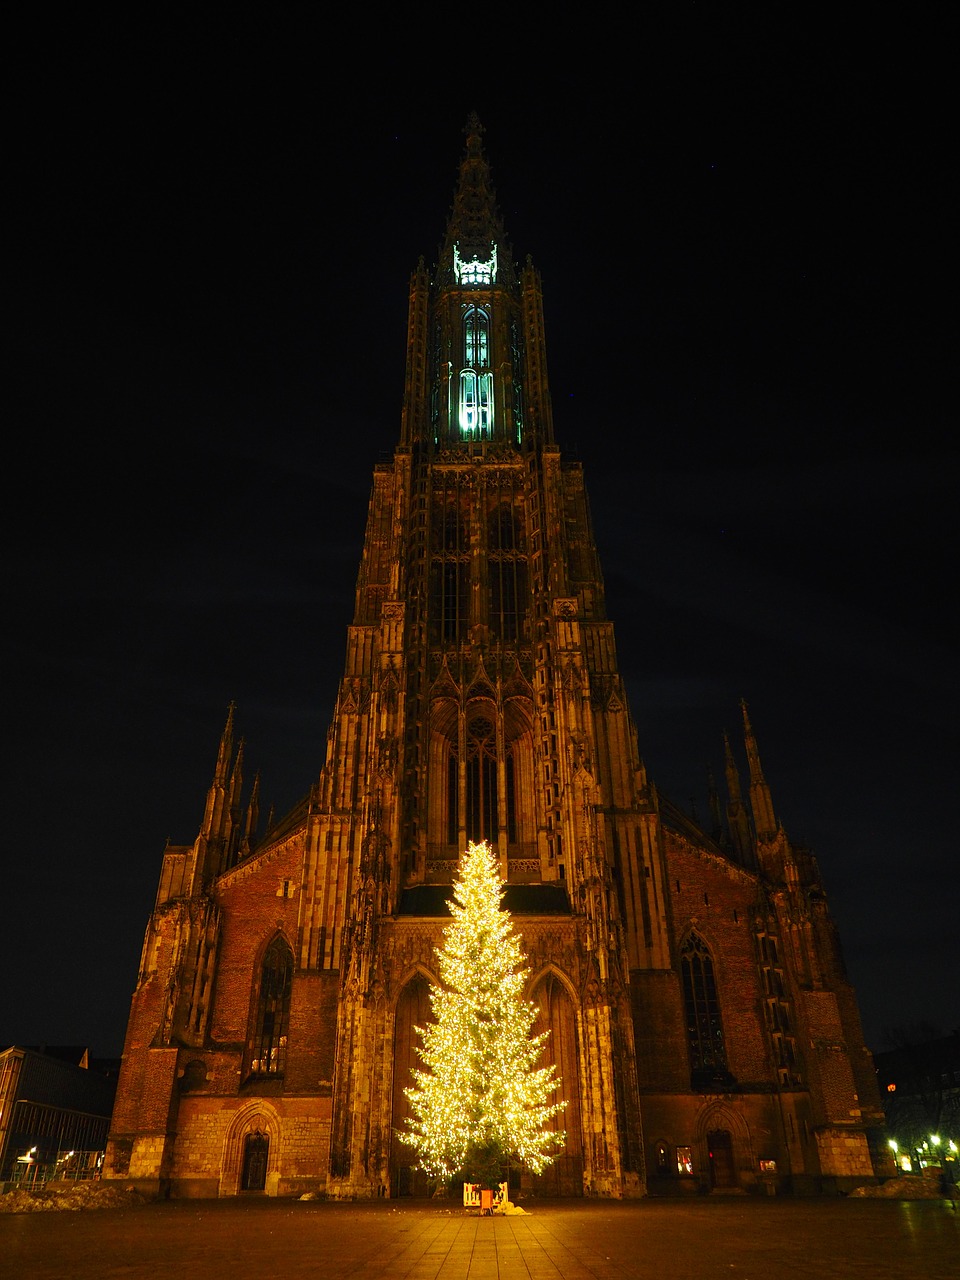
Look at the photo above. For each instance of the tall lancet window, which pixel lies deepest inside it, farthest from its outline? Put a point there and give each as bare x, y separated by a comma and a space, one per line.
506, 572
476, 330
476, 380
482, 807
474, 793
449, 569
269, 1048
708, 1054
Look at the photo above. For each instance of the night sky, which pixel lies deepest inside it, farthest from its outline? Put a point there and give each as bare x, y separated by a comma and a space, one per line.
745, 230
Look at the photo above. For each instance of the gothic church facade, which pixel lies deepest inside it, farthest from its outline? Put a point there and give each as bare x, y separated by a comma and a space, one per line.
702, 1024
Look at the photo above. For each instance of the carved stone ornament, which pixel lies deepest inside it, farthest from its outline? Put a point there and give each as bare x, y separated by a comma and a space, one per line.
386, 755
604, 694
355, 695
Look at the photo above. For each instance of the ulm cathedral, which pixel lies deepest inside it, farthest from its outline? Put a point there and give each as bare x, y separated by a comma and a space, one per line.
701, 1020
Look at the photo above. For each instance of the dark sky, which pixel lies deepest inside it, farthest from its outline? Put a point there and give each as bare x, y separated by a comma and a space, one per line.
746, 235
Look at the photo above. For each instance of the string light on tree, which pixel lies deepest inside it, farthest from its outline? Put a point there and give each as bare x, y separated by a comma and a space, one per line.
481, 1100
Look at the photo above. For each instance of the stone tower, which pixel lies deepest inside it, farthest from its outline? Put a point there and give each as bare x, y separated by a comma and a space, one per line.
700, 1019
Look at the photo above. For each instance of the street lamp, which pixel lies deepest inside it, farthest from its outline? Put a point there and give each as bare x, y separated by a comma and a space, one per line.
939, 1159
27, 1159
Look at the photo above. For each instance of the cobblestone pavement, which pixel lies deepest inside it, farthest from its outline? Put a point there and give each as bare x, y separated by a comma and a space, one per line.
246, 1239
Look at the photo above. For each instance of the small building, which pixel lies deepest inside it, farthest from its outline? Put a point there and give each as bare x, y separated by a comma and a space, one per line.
55, 1108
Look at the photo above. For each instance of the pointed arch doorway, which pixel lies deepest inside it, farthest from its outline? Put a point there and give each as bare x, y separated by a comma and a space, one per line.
253, 1173
413, 1010
556, 1013
723, 1172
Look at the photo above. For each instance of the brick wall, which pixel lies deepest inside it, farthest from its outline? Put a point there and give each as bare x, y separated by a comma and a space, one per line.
718, 900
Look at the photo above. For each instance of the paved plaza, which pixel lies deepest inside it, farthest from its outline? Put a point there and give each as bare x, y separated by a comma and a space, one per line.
704, 1239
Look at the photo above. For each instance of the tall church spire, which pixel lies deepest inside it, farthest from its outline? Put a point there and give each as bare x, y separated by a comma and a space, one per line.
760, 799
737, 820
226, 749
217, 796
251, 819
475, 250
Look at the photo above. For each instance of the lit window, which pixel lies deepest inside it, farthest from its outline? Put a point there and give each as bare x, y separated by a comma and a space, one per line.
269, 1048
476, 381
476, 404
476, 346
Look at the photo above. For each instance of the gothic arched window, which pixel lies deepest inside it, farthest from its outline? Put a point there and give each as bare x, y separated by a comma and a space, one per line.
476, 382
269, 1048
476, 404
453, 793
476, 339
506, 571
482, 807
708, 1055
449, 570
508, 589
477, 770
503, 533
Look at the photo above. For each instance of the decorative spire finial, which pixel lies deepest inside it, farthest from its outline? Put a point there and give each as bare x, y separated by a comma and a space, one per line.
760, 799
226, 748
475, 229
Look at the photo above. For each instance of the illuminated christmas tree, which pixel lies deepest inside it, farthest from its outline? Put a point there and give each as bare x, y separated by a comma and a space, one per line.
482, 1100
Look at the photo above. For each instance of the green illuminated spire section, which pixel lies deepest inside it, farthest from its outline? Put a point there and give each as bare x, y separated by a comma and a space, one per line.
475, 271
476, 354
475, 261
475, 253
